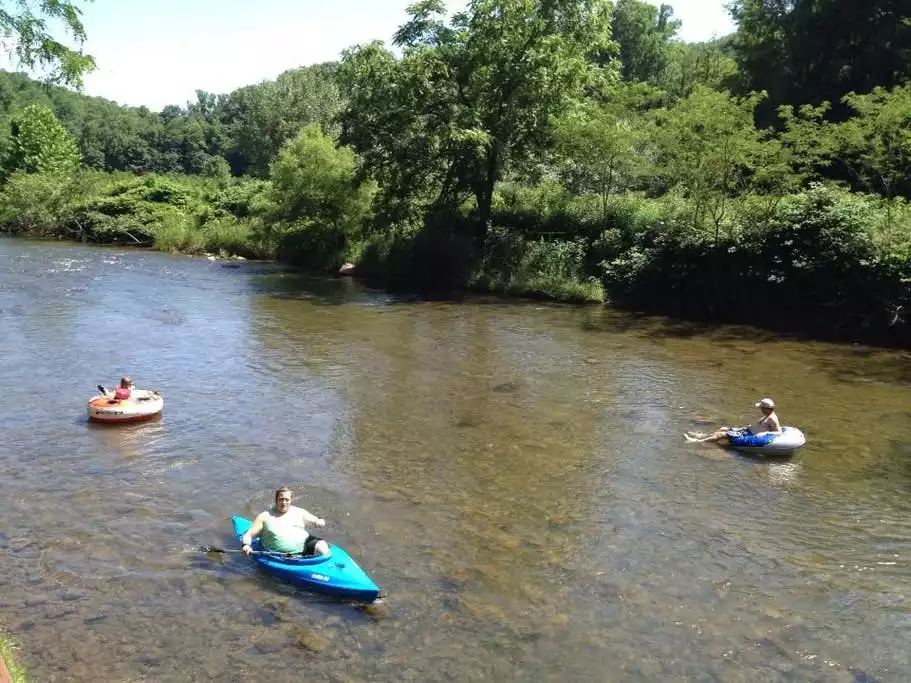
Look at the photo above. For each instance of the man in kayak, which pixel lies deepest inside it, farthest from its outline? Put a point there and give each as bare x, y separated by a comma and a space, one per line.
768, 424
282, 529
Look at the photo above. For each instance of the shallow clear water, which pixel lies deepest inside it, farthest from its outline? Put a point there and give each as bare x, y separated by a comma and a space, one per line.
513, 475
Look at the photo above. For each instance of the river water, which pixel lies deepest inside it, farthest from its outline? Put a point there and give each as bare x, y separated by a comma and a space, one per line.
512, 474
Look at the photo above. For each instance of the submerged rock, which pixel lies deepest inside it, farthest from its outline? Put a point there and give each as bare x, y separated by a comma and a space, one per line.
307, 639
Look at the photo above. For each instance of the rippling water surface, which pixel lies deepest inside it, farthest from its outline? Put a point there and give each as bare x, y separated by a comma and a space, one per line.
513, 475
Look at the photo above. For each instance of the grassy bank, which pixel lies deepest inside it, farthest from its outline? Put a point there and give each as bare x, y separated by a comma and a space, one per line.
16, 670
825, 261
184, 214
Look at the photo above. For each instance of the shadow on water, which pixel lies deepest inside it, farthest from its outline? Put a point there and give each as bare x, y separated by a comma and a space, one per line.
284, 281
651, 325
866, 366
656, 324
848, 363
287, 282
795, 328
291, 285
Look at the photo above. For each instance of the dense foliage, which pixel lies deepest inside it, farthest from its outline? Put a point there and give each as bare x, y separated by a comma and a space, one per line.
562, 148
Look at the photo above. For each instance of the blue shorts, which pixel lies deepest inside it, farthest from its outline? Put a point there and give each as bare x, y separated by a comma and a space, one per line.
744, 437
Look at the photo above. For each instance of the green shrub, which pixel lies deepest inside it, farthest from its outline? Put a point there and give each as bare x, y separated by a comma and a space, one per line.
819, 250
316, 181
35, 203
386, 257
309, 244
17, 671
245, 198
824, 258
515, 264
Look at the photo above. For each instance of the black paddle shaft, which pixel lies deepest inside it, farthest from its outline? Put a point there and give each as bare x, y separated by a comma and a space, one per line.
216, 549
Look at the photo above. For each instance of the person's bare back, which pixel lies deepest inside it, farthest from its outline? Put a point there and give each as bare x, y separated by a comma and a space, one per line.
767, 423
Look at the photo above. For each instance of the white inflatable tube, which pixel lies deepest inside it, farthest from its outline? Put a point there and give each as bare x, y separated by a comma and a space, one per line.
142, 404
788, 441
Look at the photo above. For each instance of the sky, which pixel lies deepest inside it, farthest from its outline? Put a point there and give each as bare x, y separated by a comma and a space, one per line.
161, 52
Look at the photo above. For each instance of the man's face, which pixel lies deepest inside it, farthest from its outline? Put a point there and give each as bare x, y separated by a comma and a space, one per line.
282, 501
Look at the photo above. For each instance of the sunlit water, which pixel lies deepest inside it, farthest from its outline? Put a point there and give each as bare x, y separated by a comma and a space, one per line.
513, 475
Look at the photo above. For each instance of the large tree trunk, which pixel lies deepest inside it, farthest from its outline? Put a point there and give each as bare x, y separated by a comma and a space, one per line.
484, 191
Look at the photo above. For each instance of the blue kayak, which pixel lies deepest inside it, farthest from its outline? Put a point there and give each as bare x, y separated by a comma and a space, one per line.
333, 574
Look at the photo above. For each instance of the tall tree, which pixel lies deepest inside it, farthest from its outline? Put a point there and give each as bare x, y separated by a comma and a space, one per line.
875, 144
314, 180
472, 97
262, 117
708, 149
38, 168
601, 143
691, 64
643, 33
815, 51
39, 144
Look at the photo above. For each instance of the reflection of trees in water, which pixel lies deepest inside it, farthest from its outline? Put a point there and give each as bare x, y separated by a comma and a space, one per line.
442, 408
127, 440
469, 443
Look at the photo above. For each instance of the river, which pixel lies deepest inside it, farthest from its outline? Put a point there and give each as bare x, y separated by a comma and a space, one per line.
512, 474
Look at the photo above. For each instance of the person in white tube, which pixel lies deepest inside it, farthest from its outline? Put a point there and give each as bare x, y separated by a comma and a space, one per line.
767, 425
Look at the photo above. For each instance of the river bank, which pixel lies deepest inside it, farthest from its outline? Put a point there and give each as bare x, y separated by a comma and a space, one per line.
684, 323
826, 264
10, 670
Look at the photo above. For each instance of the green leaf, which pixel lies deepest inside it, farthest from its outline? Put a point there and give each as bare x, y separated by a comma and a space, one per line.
33, 45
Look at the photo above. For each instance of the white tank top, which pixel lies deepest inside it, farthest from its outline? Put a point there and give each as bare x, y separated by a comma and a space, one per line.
283, 534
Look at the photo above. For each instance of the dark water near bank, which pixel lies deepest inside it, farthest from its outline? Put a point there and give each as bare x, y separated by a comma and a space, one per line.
512, 474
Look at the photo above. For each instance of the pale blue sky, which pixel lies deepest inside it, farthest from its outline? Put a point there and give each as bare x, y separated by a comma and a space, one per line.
159, 52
